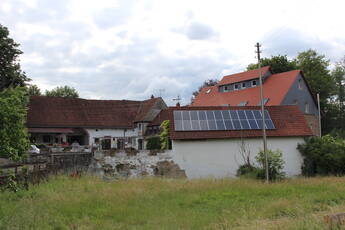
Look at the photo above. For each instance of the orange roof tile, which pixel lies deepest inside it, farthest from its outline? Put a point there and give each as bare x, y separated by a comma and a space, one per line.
275, 88
244, 76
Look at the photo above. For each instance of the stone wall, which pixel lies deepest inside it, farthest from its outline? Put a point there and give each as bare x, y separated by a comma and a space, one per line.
129, 165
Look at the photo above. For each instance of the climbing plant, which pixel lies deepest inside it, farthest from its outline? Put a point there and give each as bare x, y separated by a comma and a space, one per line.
164, 135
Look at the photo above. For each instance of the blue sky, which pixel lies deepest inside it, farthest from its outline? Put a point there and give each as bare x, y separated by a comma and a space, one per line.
130, 49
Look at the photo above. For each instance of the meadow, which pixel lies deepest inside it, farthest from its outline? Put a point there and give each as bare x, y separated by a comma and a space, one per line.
155, 203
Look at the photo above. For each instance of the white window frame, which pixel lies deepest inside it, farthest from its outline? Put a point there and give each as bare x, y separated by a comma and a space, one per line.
244, 85
255, 83
300, 84
235, 87
306, 108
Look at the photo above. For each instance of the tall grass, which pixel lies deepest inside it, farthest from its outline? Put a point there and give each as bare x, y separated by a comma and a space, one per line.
153, 203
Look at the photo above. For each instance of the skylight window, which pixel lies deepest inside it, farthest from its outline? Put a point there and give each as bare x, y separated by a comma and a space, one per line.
208, 91
243, 103
265, 101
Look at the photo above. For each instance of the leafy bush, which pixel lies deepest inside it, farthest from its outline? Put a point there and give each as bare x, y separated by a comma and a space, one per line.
164, 135
275, 165
323, 156
153, 143
248, 171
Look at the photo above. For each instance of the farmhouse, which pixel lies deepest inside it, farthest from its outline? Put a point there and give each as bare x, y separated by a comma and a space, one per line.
241, 89
110, 123
215, 141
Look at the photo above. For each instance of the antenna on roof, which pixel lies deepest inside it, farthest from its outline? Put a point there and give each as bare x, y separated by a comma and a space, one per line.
262, 110
161, 91
178, 99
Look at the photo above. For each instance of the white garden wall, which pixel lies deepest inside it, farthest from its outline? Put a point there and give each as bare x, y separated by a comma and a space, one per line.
221, 157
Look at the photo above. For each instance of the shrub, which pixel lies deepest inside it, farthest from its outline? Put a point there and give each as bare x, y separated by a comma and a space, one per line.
248, 171
275, 165
153, 143
323, 156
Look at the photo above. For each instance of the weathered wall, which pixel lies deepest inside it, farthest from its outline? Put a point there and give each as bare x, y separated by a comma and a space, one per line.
113, 133
313, 122
221, 158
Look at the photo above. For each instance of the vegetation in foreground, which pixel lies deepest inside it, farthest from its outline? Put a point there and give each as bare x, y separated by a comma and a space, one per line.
153, 203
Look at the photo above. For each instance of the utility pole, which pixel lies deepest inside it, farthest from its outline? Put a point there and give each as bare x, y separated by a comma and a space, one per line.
318, 107
262, 110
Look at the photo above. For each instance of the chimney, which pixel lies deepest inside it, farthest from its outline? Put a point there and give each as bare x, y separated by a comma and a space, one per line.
178, 104
152, 96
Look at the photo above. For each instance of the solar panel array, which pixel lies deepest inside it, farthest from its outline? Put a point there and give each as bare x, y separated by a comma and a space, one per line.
203, 120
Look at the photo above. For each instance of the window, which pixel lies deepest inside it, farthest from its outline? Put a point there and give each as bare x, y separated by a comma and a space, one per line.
300, 84
306, 107
225, 88
46, 139
295, 102
243, 85
265, 101
97, 140
236, 86
254, 83
208, 91
243, 103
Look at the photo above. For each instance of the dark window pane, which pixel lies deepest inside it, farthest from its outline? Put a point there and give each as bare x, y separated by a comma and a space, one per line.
257, 114
241, 114
253, 124
202, 115
178, 125
269, 124
220, 125
226, 114
177, 115
228, 125
194, 115
245, 124
185, 115
218, 115
212, 125
195, 125
203, 125
187, 125
237, 125
210, 115
233, 114
249, 114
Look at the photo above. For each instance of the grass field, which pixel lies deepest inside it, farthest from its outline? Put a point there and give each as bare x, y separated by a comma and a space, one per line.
152, 203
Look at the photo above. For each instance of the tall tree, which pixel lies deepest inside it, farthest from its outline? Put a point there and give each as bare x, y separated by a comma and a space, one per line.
278, 64
10, 73
63, 91
207, 83
315, 69
13, 135
33, 90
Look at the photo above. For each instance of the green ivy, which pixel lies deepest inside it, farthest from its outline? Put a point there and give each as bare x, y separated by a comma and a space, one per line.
164, 135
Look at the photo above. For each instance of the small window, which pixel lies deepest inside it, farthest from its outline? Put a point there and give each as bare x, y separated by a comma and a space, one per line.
97, 140
295, 102
236, 86
254, 83
306, 107
265, 101
225, 88
300, 84
208, 91
243, 103
243, 85
46, 139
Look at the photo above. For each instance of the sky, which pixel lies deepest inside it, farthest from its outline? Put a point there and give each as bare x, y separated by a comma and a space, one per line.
132, 49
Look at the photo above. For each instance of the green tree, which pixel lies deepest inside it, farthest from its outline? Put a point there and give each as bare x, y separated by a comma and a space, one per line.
278, 64
14, 141
33, 90
315, 70
10, 73
275, 165
63, 91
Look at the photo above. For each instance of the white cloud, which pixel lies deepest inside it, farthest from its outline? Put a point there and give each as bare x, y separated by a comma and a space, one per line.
132, 48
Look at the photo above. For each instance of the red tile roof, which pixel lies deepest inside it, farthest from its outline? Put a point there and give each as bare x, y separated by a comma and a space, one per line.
275, 88
244, 76
289, 121
76, 112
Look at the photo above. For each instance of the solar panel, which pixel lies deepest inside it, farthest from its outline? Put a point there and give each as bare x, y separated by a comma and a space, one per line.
204, 120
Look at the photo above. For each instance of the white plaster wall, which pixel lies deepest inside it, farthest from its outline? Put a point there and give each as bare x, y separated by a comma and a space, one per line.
113, 133
221, 158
